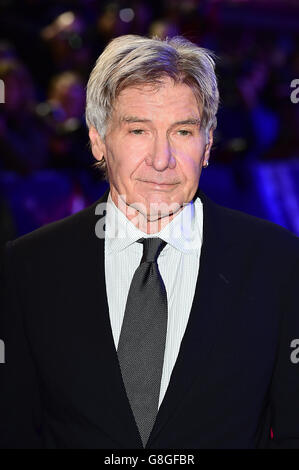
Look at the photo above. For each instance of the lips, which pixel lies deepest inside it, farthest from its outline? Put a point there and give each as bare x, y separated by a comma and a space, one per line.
160, 184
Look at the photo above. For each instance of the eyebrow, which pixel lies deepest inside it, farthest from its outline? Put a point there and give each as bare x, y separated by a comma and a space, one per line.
130, 119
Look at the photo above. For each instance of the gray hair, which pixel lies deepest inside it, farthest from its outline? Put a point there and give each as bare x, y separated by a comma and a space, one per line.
131, 59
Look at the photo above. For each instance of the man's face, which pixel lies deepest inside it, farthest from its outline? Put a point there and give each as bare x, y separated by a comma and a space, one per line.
154, 148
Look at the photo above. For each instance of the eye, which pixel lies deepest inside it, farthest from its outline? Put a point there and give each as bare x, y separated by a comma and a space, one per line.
185, 132
136, 131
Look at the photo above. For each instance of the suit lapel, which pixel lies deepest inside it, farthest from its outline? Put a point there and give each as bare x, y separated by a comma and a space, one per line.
213, 294
106, 400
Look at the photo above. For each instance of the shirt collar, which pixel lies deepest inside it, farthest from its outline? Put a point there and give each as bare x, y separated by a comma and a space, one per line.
184, 232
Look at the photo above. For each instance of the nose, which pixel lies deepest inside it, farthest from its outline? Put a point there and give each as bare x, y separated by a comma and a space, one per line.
161, 155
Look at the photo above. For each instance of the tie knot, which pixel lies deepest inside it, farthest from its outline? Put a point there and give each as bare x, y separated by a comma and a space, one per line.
152, 247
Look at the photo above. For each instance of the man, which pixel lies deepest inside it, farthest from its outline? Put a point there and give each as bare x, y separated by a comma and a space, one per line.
154, 318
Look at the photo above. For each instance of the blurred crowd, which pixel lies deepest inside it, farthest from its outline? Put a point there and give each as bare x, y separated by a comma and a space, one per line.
48, 48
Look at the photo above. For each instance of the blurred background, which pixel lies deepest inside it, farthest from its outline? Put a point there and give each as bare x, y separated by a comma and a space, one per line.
47, 51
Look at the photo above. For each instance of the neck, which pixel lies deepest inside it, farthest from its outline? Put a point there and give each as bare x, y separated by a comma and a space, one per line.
147, 224
152, 226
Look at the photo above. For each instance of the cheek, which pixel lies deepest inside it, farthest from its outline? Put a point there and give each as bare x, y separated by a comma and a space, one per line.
136, 147
189, 147
123, 161
130, 155
189, 157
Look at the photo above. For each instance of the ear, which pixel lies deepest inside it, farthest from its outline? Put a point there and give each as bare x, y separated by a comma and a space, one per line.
208, 146
97, 144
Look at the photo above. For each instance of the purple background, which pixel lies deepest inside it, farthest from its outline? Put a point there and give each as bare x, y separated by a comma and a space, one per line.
47, 51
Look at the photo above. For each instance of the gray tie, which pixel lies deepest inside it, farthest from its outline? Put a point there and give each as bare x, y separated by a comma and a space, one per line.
142, 339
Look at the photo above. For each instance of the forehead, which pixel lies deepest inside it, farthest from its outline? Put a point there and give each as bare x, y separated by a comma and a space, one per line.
146, 99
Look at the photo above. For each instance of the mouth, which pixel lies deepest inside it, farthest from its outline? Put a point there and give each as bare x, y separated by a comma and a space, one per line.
158, 184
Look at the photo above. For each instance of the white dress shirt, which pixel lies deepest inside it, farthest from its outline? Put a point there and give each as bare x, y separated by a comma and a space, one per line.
178, 264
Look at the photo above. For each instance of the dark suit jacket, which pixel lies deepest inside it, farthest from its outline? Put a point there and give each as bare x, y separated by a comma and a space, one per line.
61, 385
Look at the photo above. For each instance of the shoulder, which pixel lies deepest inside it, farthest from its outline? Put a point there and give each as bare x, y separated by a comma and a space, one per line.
247, 229
260, 226
56, 237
